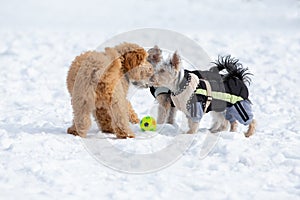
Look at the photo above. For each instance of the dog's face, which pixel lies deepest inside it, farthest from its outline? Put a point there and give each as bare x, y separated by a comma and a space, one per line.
140, 75
166, 72
135, 64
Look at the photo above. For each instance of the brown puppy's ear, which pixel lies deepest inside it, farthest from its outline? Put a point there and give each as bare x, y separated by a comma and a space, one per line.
154, 56
134, 58
175, 61
111, 52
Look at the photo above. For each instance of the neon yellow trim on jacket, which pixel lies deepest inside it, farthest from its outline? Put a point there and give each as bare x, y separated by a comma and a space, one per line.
231, 98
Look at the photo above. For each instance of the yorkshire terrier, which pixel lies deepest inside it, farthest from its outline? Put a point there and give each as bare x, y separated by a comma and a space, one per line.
198, 92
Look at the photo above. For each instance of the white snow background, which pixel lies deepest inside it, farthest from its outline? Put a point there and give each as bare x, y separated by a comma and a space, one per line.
39, 40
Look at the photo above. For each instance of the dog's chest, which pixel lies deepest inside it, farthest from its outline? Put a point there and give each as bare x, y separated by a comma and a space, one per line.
180, 100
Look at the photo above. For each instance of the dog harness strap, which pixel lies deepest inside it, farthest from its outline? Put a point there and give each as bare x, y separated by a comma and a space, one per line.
161, 90
208, 94
231, 98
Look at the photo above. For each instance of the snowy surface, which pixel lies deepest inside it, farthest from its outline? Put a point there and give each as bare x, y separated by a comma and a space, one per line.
38, 160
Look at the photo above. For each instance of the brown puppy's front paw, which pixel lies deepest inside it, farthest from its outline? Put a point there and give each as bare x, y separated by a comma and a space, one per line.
107, 129
134, 120
131, 135
123, 135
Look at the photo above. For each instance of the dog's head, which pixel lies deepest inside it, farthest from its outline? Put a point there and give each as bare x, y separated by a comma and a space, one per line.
166, 72
135, 64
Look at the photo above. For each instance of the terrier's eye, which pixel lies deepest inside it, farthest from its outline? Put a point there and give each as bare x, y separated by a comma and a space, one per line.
161, 70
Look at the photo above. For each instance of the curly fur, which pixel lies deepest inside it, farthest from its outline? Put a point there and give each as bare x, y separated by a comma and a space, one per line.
98, 84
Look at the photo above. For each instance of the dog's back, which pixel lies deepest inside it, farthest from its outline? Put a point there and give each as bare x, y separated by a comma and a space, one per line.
232, 82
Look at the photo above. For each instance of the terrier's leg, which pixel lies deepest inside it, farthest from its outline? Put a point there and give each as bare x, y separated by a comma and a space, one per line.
251, 129
233, 126
172, 115
219, 122
242, 112
163, 108
193, 126
224, 125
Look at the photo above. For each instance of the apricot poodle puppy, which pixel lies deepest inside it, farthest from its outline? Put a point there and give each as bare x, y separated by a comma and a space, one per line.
98, 83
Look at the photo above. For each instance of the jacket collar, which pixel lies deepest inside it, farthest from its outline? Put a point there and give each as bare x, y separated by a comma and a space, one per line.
184, 78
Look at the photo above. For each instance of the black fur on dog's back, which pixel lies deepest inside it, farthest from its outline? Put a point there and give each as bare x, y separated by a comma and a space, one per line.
233, 68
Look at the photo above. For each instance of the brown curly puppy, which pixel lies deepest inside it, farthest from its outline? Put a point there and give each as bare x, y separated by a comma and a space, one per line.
98, 84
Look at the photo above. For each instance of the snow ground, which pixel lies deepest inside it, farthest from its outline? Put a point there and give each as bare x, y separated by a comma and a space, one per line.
38, 160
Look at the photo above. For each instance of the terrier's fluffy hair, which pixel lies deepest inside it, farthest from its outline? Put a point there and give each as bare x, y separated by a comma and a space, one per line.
167, 74
166, 110
98, 84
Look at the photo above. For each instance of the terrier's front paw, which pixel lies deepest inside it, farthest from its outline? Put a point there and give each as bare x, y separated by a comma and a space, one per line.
233, 126
191, 132
219, 127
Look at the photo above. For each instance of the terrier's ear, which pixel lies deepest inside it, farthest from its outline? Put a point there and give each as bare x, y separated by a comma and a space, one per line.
154, 55
175, 61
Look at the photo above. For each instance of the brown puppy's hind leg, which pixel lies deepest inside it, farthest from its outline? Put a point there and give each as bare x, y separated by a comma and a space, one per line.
72, 130
103, 120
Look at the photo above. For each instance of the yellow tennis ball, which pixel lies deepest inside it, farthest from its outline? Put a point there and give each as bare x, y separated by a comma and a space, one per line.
148, 123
